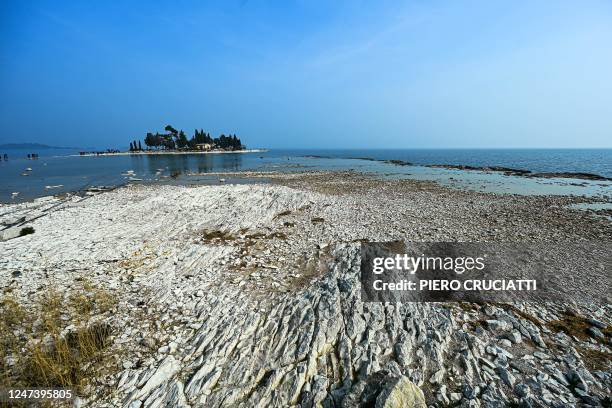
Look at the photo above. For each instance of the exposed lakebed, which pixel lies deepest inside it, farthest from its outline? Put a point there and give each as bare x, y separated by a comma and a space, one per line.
238, 295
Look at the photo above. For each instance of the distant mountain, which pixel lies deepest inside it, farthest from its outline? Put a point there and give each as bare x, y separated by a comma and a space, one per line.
30, 146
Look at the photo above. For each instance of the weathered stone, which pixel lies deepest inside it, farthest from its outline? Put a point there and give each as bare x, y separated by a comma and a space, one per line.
595, 332
437, 377
402, 354
498, 325
576, 380
506, 376
522, 390
470, 392
514, 336
598, 323
401, 394
455, 396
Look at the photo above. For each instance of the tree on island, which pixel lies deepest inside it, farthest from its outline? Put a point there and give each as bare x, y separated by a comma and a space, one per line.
139, 146
228, 142
131, 147
181, 140
151, 140
199, 137
168, 142
170, 129
176, 139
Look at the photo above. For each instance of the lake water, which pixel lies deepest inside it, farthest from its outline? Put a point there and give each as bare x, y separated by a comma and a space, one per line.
59, 171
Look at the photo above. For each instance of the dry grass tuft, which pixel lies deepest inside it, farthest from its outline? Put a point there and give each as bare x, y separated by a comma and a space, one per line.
577, 326
278, 235
63, 360
467, 306
217, 236
282, 214
595, 359
56, 341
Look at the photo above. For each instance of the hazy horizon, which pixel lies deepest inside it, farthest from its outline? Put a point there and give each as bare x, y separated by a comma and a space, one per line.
309, 74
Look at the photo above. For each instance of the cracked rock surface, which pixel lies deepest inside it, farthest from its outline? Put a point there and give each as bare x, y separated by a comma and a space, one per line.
249, 295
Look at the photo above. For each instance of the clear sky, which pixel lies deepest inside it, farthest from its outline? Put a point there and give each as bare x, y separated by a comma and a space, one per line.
309, 73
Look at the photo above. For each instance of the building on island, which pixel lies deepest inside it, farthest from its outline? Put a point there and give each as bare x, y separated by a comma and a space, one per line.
204, 146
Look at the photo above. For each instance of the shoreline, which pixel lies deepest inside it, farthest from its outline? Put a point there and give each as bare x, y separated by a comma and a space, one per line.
174, 152
270, 176
494, 178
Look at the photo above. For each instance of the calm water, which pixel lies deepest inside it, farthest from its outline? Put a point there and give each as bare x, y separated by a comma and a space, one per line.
58, 171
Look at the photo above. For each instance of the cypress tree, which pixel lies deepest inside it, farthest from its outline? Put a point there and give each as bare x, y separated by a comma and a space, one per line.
149, 139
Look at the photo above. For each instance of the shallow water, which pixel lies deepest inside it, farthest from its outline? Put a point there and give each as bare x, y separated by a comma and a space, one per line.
60, 171
597, 161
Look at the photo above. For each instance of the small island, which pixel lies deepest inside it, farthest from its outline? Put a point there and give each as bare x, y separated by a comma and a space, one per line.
176, 142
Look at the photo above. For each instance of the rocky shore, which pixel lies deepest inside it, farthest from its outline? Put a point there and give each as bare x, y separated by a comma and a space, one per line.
524, 173
249, 295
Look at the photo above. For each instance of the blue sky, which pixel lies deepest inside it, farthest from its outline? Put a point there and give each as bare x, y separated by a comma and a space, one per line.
312, 74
